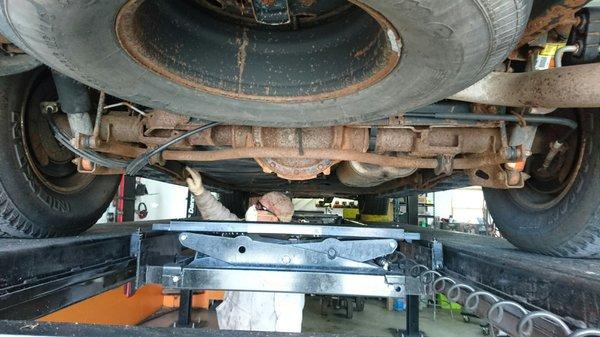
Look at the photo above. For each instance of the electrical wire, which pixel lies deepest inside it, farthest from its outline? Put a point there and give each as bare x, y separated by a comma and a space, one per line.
140, 162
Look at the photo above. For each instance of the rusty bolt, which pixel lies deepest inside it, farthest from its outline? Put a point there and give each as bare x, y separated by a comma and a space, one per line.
87, 165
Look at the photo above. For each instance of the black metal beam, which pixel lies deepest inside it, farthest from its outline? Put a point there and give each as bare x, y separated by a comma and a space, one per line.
47, 275
128, 198
412, 209
412, 317
37, 299
184, 318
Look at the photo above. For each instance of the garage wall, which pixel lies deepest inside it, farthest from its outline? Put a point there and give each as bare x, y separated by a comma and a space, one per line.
465, 205
164, 201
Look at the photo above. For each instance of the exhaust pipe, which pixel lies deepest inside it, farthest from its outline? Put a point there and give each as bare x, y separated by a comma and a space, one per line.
355, 174
566, 87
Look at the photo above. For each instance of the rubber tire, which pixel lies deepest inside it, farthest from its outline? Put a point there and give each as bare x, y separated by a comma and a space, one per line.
446, 46
360, 304
236, 202
16, 64
569, 229
29, 209
373, 205
324, 305
349, 309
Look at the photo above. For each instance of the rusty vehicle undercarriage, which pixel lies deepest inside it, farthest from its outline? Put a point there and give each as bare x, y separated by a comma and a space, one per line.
360, 99
400, 148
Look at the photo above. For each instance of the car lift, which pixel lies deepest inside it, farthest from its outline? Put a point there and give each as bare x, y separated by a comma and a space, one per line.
514, 291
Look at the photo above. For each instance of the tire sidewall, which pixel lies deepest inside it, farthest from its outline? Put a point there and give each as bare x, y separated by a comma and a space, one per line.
553, 230
446, 46
42, 212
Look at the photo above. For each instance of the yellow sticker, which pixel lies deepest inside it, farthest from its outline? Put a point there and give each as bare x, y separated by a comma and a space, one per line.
551, 48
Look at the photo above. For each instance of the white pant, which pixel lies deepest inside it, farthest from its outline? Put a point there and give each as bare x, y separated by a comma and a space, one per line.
260, 311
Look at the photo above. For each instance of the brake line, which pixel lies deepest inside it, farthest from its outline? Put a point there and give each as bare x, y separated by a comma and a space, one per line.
92, 156
131, 167
140, 162
534, 119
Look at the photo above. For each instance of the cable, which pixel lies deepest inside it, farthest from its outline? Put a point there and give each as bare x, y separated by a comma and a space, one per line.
140, 162
92, 156
535, 119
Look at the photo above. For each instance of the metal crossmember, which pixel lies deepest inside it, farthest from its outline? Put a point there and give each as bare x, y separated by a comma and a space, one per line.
286, 229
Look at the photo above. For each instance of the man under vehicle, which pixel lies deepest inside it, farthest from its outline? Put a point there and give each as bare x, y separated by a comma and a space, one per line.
252, 311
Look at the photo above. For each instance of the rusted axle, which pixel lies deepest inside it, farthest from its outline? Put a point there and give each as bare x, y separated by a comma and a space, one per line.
464, 163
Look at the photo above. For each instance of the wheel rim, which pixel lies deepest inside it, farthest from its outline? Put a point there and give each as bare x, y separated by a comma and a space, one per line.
50, 162
335, 47
547, 188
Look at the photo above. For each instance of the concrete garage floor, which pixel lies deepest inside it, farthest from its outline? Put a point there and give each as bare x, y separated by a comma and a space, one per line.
375, 320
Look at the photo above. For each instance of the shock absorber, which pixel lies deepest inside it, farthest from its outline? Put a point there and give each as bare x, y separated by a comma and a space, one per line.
74, 99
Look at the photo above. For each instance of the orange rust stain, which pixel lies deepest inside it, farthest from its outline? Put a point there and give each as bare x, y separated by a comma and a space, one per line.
556, 16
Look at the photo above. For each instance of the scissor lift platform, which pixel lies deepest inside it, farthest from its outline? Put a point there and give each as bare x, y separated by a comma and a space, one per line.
43, 276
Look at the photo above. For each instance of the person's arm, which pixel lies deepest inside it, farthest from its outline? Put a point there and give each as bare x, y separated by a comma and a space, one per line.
209, 206
212, 209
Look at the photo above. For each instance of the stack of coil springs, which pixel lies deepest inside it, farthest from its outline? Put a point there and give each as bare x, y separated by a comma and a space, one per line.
434, 282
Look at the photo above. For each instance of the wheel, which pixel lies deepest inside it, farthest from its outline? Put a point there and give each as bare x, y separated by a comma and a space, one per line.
324, 305
216, 60
236, 202
41, 192
349, 309
373, 205
360, 304
16, 64
558, 210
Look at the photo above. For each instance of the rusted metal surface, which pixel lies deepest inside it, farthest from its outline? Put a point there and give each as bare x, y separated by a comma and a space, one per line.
87, 167
438, 140
121, 127
558, 15
303, 154
494, 176
463, 163
395, 140
120, 149
163, 120
565, 87
296, 138
8, 47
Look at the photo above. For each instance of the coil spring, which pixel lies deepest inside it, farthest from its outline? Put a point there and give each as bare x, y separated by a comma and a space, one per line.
433, 281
